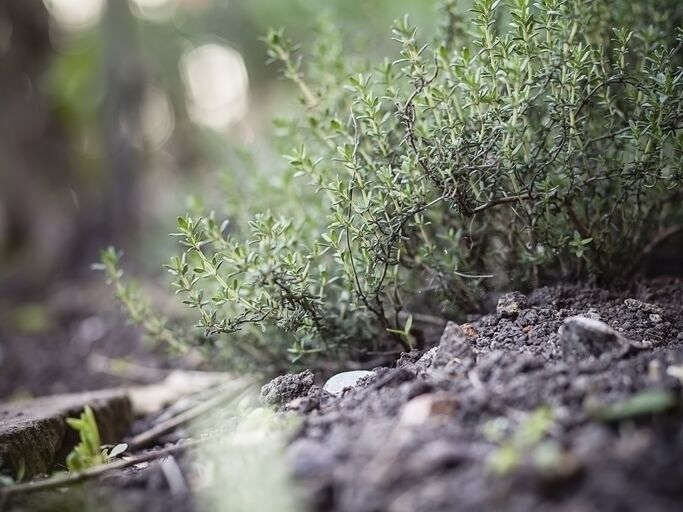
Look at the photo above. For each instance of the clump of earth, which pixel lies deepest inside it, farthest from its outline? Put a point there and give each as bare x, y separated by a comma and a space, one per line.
568, 399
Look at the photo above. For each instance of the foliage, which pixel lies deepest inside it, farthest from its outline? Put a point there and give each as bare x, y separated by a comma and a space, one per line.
528, 440
89, 451
643, 403
138, 308
530, 140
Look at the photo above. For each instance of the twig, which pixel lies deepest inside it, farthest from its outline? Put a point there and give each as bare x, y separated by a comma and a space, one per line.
174, 476
580, 226
149, 436
130, 371
87, 474
500, 200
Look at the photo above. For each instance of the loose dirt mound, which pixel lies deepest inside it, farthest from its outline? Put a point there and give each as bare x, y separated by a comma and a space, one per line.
518, 411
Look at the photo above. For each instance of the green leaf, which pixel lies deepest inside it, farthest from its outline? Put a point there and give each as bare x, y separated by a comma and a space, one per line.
640, 404
117, 450
409, 324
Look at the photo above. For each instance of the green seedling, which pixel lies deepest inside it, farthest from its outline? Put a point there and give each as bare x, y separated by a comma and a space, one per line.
405, 332
528, 442
89, 451
640, 404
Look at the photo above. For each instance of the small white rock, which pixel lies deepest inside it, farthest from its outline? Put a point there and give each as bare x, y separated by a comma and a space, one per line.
426, 408
593, 314
338, 383
639, 305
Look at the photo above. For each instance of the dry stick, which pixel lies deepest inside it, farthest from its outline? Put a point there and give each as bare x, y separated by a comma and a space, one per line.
87, 474
187, 402
148, 436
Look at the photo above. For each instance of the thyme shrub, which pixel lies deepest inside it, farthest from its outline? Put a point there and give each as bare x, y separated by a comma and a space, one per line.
526, 141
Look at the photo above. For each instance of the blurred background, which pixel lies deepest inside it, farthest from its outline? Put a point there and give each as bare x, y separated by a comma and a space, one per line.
115, 117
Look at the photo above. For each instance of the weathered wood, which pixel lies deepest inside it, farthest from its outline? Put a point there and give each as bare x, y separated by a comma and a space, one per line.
34, 436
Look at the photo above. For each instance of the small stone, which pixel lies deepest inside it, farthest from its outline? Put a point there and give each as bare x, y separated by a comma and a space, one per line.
295, 405
654, 370
287, 387
511, 304
675, 371
645, 307
408, 358
593, 314
425, 362
581, 337
655, 318
453, 346
426, 408
469, 330
336, 384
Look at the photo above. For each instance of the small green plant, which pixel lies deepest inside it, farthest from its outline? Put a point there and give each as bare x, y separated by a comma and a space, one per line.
643, 403
526, 141
89, 451
528, 442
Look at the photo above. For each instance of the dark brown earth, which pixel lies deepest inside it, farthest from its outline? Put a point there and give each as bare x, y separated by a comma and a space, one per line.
505, 415
74, 339
366, 451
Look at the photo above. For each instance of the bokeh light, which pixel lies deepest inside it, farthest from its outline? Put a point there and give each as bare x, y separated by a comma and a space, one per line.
76, 14
216, 85
156, 117
154, 10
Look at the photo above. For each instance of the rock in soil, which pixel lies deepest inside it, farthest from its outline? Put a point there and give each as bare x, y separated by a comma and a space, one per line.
336, 384
428, 407
582, 337
511, 304
520, 430
286, 388
639, 305
454, 347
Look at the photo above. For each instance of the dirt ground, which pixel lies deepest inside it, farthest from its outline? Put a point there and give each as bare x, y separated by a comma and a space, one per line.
513, 411
515, 420
75, 339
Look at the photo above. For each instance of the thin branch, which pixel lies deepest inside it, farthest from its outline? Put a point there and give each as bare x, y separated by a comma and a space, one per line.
96, 471
149, 436
500, 200
580, 226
